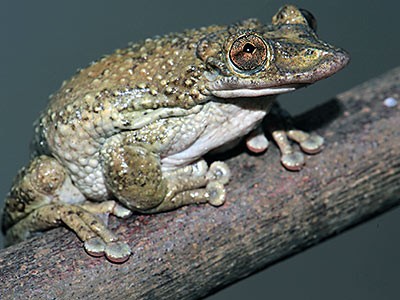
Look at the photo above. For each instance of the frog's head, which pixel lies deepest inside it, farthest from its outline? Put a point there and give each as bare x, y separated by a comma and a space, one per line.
250, 59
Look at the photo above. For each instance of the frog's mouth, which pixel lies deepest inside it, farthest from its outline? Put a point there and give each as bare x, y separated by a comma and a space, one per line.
256, 92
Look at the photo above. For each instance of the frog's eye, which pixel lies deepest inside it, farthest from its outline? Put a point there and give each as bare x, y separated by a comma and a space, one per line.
248, 53
311, 21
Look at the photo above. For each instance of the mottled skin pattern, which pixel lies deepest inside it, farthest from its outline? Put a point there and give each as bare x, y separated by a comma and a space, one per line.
128, 133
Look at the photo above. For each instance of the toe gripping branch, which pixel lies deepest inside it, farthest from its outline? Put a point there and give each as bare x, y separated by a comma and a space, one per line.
280, 124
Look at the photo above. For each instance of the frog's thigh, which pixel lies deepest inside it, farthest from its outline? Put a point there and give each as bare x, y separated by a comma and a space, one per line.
133, 174
40, 183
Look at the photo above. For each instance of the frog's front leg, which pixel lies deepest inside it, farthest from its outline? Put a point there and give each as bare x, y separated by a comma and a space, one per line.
134, 174
43, 197
279, 124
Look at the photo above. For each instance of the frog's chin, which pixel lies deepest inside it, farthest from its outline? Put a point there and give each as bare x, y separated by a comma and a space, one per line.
243, 92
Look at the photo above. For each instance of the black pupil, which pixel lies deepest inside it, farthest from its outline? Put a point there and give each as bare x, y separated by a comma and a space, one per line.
249, 48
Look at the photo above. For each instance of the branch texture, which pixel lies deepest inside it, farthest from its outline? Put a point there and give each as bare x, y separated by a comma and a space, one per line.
269, 214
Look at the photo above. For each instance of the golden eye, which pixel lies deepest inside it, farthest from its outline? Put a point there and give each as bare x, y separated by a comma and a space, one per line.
248, 53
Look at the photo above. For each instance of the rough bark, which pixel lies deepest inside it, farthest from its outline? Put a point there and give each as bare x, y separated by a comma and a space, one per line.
270, 214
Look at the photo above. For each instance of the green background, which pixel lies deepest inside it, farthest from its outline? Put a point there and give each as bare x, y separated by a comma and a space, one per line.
44, 42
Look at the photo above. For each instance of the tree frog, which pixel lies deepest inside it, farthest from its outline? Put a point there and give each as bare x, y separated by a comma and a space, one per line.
129, 132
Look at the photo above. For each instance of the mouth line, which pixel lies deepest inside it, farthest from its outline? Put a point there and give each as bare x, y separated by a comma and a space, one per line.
256, 91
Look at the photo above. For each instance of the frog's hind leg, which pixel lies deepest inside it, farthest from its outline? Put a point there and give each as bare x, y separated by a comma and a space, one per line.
98, 240
185, 190
134, 174
44, 197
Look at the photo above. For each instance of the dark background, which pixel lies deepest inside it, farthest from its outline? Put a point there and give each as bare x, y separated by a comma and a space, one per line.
44, 42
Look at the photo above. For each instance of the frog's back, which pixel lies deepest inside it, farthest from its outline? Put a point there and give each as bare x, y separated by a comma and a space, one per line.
159, 72
158, 66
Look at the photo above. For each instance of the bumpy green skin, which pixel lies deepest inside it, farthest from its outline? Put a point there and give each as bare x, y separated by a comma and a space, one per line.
128, 132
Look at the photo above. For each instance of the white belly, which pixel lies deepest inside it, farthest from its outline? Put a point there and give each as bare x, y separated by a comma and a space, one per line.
221, 123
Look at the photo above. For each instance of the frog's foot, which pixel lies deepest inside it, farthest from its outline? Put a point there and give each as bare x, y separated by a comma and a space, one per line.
196, 189
43, 196
116, 252
309, 143
280, 124
192, 190
98, 239
214, 193
292, 159
102, 241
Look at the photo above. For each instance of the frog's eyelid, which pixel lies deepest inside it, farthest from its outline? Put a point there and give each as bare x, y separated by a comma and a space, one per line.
310, 19
291, 15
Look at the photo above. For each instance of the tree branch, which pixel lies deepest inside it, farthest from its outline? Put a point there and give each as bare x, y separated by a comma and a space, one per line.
270, 214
